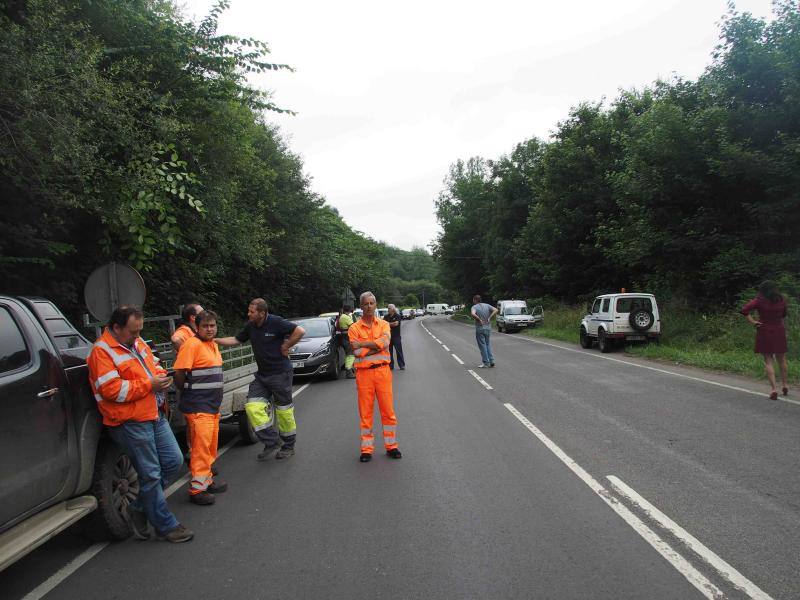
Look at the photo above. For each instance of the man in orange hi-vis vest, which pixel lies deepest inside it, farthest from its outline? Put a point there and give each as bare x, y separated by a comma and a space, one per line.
369, 339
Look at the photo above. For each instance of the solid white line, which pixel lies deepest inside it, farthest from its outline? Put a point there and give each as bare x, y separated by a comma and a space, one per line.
632, 364
48, 585
446, 348
693, 576
478, 377
739, 581
458, 360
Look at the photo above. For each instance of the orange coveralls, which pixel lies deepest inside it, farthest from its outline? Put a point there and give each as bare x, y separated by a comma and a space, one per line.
374, 378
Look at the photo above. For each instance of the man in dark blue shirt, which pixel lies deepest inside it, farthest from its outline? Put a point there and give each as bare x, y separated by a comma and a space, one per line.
271, 337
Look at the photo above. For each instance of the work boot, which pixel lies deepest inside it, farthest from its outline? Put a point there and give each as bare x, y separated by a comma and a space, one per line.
394, 453
285, 453
218, 486
350, 374
214, 469
203, 498
178, 535
139, 524
267, 452
365, 457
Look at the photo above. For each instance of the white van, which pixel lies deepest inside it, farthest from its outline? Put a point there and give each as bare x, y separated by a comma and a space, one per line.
513, 315
435, 309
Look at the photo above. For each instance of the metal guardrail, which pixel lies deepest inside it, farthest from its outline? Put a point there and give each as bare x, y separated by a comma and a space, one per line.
232, 358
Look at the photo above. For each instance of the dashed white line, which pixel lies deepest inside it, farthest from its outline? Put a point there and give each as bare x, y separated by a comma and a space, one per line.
739, 581
56, 578
446, 348
692, 575
458, 360
480, 380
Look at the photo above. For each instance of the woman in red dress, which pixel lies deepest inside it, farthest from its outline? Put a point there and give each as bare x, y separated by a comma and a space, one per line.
770, 332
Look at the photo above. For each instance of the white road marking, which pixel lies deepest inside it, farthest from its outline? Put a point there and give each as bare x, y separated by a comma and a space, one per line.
458, 360
692, 575
480, 380
633, 364
446, 348
54, 580
739, 581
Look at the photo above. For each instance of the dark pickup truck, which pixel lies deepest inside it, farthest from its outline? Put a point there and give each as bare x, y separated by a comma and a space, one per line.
57, 465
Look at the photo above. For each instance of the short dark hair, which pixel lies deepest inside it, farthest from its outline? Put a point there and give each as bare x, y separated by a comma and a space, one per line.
347, 308
122, 315
190, 310
476, 299
205, 315
769, 290
260, 304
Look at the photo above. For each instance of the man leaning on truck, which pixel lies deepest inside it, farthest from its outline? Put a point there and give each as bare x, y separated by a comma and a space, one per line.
130, 393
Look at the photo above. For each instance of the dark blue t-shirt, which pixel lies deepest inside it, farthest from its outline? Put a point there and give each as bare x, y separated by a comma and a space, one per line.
266, 341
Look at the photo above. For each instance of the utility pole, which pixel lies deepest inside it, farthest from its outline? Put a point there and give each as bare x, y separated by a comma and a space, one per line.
423, 298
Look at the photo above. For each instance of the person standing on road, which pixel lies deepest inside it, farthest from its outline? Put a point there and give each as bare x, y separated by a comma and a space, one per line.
198, 384
770, 332
188, 326
482, 313
271, 337
343, 323
395, 343
370, 338
130, 393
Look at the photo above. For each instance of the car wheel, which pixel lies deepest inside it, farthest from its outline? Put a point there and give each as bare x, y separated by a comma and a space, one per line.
641, 319
115, 485
603, 342
334, 371
246, 432
586, 341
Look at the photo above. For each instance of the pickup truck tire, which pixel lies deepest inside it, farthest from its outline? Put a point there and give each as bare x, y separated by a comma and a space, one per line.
586, 341
641, 319
246, 432
115, 485
499, 328
603, 343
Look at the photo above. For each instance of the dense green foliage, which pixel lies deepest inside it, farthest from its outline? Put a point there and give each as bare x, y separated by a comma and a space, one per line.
131, 134
690, 190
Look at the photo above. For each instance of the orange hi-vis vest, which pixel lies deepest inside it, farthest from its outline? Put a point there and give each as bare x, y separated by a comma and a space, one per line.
379, 333
120, 380
183, 333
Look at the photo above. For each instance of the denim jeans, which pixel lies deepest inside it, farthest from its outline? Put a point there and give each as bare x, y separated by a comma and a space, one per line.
484, 345
157, 458
396, 346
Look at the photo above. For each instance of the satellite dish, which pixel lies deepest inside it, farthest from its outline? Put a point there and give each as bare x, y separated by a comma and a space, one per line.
110, 286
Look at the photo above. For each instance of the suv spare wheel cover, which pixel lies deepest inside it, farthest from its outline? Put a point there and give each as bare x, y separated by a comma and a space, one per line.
641, 319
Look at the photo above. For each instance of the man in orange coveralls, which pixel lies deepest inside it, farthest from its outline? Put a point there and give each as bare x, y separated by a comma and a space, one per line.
369, 339
199, 382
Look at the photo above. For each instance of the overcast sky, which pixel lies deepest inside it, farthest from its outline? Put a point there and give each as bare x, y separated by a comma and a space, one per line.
389, 95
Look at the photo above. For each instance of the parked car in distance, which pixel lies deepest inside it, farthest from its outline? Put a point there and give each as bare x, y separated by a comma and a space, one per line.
435, 309
408, 313
381, 312
357, 314
513, 315
449, 310
420, 312
613, 319
318, 352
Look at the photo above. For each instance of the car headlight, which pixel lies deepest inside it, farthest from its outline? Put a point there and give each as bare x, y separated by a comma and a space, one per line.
324, 349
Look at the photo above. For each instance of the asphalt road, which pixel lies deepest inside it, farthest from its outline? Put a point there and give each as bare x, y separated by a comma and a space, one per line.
530, 482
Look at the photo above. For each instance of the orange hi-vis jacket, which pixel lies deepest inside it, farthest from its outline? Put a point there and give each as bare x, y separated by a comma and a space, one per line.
120, 380
183, 333
378, 333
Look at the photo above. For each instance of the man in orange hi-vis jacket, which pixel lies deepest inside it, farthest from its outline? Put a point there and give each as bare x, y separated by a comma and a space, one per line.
369, 339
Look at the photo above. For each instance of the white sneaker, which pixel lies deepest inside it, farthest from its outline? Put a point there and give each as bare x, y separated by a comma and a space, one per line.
482, 366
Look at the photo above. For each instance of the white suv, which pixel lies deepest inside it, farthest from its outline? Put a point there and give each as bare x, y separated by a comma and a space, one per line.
618, 318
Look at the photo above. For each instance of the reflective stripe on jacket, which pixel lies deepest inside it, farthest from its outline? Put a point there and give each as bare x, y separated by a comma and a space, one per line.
379, 333
121, 381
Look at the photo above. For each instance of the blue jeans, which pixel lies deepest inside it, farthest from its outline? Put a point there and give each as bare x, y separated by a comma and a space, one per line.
157, 458
484, 345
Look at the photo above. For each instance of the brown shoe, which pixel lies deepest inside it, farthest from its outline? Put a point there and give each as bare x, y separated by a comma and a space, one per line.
178, 535
203, 498
285, 453
218, 486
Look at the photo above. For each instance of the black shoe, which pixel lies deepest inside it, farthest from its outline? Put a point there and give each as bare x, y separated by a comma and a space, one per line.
214, 470
365, 457
491, 364
139, 524
218, 486
178, 535
267, 452
402, 368
285, 453
203, 498
394, 453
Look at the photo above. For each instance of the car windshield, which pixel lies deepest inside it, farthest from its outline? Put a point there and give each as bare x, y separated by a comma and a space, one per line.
626, 305
315, 328
517, 310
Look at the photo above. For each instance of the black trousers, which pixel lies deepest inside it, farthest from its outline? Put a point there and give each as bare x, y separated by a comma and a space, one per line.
396, 345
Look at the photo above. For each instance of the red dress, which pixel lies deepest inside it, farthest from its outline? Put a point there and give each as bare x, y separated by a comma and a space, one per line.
771, 336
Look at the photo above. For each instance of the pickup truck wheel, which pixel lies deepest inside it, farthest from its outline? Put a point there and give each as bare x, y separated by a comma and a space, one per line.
246, 432
499, 328
586, 341
603, 342
115, 485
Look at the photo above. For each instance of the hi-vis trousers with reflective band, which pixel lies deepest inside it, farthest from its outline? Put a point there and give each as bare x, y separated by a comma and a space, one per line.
202, 431
269, 399
371, 383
